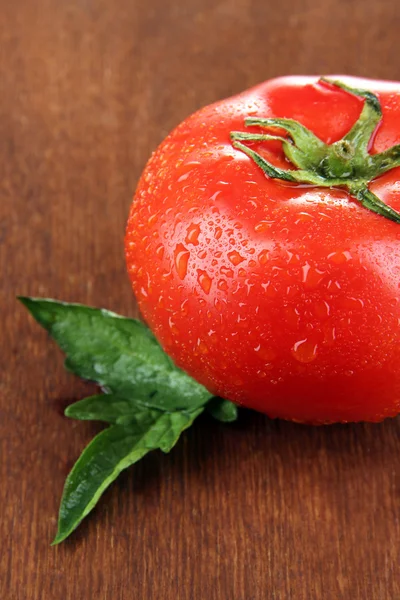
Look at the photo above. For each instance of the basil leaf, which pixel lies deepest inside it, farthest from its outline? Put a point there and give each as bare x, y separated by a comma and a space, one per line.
111, 451
120, 354
104, 407
223, 410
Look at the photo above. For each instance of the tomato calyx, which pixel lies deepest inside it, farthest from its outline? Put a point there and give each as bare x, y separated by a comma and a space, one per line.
345, 163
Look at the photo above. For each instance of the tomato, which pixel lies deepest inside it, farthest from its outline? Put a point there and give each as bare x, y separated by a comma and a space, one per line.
279, 294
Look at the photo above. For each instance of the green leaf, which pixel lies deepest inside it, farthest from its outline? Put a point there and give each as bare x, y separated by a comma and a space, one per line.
223, 410
120, 354
105, 407
111, 451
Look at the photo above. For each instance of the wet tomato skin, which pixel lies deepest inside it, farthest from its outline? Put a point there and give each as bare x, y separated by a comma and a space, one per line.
282, 298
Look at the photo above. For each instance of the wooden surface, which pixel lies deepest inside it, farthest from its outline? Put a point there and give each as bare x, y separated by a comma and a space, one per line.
258, 510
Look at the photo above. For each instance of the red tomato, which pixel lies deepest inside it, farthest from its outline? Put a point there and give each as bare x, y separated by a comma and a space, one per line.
279, 296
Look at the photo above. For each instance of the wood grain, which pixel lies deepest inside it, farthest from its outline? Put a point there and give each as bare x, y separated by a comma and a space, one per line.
258, 510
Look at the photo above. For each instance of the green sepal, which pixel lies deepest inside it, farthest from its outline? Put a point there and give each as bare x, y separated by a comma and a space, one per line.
345, 163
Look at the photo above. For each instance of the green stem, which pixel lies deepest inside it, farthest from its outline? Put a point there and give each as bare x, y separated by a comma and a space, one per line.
373, 203
345, 163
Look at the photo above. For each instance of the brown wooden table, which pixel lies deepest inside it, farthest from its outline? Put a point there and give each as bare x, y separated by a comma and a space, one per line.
257, 510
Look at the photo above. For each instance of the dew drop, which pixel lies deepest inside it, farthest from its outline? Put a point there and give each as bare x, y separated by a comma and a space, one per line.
263, 257
181, 260
262, 226
311, 277
218, 233
292, 316
160, 251
212, 336
351, 303
152, 219
184, 308
204, 280
202, 347
322, 309
183, 177
215, 196
329, 334
133, 269
192, 234
172, 326
226, 271
340, 257
305, 268
235, 258
222, 285
304, 217
305, 351
265, 353
219, 305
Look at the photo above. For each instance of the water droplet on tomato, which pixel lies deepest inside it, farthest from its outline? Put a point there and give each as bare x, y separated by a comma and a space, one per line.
181, 260
192, 234
235, 258
305, 268
184, 307
219, 304
265, 353
172, 326
303, 218
160, 251
329, 334
215, 196
340, 257
262, 226
202, 347
222, 285
351, 303
292, 316
204, 280
212, 336
218, 233
226, 271
305, 351
322, 309
263, 257
311, 277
